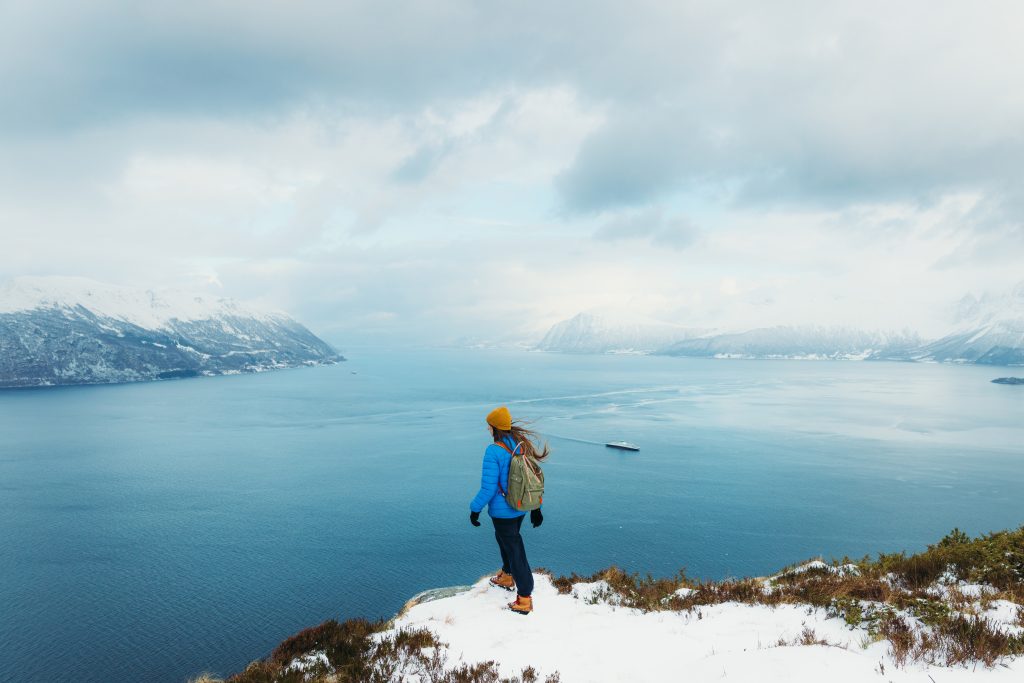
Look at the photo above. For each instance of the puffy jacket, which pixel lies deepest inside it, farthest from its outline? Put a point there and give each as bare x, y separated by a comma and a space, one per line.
496, 462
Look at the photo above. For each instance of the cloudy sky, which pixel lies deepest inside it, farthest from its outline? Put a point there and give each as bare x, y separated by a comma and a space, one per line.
437, 170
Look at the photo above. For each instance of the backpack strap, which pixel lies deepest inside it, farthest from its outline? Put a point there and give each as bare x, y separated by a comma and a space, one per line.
513, 454
509, 450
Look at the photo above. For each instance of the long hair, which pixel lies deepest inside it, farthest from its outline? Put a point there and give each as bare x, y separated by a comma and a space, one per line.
527, 437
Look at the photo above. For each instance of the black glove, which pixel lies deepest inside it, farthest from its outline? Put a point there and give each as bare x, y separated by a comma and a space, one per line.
474, 518
536, 518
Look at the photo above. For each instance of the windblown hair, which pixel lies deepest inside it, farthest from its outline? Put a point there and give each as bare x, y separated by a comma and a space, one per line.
527, 437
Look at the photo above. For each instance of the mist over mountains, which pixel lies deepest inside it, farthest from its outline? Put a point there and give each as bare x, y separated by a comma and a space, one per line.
987, 330
605, 333
828, 343
57, 331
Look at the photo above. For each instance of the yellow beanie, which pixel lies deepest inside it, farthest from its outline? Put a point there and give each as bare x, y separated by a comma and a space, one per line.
500, 418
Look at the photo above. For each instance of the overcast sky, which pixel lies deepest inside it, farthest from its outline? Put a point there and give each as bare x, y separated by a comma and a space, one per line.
435, 170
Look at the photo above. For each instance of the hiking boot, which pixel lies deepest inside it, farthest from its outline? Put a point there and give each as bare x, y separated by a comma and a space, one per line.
521, 605
503, 580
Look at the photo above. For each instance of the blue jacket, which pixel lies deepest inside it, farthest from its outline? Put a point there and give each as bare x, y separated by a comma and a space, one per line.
496, 462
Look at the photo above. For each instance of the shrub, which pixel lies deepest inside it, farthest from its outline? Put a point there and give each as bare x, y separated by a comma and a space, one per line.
996, 559
341, 642
954, 538
809, 637
848, 609
974, 639
355, 656
900, 635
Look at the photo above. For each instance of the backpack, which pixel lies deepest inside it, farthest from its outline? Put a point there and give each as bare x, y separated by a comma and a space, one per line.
525, 481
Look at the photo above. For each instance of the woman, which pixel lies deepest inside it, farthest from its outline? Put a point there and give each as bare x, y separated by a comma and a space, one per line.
515, 573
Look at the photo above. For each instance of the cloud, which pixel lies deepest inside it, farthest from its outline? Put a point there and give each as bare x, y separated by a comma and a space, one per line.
815, 105
630, 161
421, 163
458, 166
80, 65
673, 232
798, 103
989, 231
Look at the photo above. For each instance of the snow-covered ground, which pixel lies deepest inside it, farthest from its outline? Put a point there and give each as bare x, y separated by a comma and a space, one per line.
586, 639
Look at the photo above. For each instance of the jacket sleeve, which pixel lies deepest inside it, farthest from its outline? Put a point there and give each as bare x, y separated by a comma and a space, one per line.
488, 483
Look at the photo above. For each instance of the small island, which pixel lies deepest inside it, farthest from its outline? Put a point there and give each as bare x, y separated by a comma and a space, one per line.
1008, 380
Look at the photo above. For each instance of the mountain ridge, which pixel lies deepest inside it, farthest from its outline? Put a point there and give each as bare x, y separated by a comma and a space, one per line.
67, 331
801, 343
986, 330
592, 332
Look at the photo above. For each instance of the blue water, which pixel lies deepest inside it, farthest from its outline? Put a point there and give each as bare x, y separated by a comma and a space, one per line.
150, 532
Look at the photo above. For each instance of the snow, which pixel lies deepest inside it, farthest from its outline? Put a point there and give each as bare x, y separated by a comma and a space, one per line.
944, 589
310, 660
843, 570
148, 309
590, 591
586, 640
974, 590
1006, 616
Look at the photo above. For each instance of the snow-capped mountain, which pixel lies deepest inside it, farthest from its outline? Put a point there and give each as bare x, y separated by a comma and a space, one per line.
594, 333
76, 331
989, 331
597, 333
835, 343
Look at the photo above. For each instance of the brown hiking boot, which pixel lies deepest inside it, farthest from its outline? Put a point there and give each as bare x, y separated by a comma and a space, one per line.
521, 605
503, 580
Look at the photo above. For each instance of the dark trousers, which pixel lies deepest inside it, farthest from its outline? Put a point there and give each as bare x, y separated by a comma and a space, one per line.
513, 553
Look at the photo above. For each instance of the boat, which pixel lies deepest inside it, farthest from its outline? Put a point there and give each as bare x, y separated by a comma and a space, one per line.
623, 445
